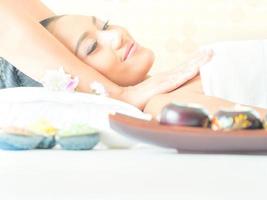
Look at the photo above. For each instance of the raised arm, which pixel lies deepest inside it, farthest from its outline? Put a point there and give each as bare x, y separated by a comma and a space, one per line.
34, 8
28, 46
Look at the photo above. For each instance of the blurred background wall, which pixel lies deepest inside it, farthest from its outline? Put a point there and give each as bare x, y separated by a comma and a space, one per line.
174, 29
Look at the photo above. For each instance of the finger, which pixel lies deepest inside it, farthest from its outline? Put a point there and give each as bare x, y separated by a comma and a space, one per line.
203, 57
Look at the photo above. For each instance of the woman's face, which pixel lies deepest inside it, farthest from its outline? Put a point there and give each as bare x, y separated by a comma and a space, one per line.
109, 49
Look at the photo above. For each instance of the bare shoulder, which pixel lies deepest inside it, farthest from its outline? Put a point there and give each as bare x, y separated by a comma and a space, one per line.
183, 94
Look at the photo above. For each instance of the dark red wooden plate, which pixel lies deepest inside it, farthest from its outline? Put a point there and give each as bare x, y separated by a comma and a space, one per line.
190, 139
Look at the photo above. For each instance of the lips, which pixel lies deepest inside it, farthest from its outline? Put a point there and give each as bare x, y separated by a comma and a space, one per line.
130, 50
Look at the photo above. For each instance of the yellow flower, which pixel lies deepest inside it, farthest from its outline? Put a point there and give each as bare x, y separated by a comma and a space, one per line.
242, 121
43, 127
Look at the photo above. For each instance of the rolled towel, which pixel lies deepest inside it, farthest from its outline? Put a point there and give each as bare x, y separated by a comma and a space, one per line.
44, 128
47, 143
78, 137
12, 138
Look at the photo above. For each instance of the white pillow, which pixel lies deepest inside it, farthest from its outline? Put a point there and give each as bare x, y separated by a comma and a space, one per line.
237, 72
23, 106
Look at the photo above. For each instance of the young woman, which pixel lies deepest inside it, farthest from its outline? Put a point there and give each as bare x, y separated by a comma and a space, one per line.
95, 50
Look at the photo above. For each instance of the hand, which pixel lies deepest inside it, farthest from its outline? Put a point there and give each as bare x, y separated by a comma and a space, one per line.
165, 82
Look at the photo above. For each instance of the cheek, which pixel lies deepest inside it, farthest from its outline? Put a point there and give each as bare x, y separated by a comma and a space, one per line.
103, 62
135, 69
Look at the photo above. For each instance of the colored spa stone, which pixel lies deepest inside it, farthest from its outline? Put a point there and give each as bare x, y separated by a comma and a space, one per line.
80, 142
184, 115
18, 139
235, 120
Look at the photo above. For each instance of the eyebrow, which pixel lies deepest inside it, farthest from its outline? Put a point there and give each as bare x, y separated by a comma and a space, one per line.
83, 36
46, 22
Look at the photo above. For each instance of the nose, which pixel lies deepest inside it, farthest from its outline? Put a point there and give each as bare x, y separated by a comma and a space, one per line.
112, 38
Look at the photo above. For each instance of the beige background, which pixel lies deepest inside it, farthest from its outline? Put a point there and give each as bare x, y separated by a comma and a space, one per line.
175, 28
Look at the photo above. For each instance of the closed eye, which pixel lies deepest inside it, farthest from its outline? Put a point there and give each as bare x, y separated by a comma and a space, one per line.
91, 48
106, 26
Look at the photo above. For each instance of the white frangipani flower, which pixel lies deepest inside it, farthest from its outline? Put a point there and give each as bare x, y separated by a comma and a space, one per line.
98, 88
58, 80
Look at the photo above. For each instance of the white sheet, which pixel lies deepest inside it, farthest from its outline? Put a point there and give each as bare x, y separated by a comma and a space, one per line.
237, 72
137, 174
23, 106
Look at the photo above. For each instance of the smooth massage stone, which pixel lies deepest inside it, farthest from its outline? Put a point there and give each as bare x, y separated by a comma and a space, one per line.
184, 115
235, 120
78, 137
18, 139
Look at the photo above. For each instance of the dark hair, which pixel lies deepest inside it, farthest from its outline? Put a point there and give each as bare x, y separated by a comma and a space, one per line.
45, 23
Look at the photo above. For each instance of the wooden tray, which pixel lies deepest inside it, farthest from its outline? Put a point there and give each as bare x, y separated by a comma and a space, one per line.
188, 139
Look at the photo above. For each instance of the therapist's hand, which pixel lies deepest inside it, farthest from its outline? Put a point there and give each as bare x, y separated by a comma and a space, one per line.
165, 82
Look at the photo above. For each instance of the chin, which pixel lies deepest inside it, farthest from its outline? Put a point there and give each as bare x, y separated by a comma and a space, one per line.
145, 66
139, 69
148, 58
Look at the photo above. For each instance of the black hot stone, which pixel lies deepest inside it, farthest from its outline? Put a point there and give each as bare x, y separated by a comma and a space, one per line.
184, 115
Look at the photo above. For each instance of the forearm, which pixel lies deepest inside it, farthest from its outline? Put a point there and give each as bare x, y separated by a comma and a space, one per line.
33, 50
191, 93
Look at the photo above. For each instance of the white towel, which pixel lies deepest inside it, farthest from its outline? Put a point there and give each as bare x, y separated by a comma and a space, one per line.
237, 72
23, 106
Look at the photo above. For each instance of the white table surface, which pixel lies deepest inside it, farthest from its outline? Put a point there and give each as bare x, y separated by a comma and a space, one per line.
142, 173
